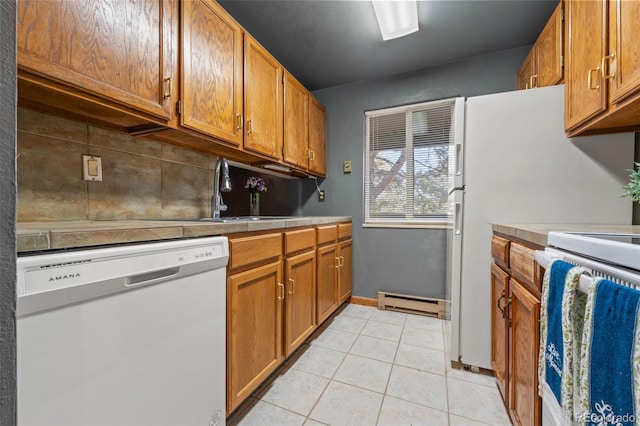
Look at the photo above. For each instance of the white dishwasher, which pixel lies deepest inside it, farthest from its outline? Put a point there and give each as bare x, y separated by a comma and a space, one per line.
123, 335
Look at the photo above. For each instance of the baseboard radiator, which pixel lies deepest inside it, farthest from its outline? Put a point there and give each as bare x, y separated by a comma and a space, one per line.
412, 304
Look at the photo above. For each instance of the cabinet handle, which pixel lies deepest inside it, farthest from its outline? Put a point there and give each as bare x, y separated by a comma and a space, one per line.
505, 311
526, 86
532, 79
589, 79
249, 127
341, 261
313, 155
167, 84
293, 286
337, 262
281, 297
307, 154
498, 304
604, 68
238, 121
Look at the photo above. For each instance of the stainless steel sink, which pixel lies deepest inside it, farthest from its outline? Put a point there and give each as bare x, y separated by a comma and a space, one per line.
249, 218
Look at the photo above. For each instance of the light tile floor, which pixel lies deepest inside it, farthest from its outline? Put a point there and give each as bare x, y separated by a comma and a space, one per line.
371, 367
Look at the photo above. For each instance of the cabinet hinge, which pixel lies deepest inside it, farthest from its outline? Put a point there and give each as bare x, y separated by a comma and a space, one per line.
178, 107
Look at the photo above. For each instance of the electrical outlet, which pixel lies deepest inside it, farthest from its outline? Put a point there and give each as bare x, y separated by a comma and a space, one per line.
92, 168
346, 166
321, 195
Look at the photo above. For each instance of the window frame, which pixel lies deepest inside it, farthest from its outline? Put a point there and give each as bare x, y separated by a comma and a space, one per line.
408, 221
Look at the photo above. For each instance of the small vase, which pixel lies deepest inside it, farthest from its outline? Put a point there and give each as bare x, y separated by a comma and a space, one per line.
254, 204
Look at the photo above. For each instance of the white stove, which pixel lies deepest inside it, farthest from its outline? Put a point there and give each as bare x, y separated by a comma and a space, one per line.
615, 249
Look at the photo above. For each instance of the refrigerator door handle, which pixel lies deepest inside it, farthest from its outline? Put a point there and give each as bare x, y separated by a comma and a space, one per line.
457, 188
458, 219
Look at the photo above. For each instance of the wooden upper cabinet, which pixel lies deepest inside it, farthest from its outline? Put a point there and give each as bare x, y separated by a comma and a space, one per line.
624, 49
211, 79
103, 60
543, 65
585, 91
549, 51
317, 137
296, 122
526, 71
262, 100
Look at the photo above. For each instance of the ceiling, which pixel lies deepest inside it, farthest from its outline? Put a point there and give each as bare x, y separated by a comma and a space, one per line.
326, 43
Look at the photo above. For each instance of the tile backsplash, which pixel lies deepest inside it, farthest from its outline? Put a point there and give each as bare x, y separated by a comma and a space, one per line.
142, 179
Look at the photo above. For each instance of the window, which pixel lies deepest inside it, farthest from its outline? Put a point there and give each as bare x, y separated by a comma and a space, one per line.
406, 166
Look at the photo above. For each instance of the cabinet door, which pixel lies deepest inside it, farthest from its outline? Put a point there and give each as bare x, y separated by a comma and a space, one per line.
624, 17
345, 274
254, 329
326, 294
549, 52
585, 91
300, 299
262, 100
524, 402
119, 51
499, 335
211, 78
296, 122
527, 70
317, 137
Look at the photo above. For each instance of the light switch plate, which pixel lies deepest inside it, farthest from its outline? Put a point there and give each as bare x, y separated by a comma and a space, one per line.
346, 166
92, 168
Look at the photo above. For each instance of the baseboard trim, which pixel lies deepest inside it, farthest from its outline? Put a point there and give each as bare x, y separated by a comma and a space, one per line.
366, 301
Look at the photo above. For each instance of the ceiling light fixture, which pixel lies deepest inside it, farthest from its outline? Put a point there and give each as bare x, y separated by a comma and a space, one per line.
396, 18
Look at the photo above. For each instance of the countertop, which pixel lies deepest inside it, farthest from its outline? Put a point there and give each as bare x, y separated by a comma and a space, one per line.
36, 236
537, 233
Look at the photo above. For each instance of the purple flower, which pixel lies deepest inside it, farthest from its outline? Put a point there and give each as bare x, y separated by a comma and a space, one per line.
255, 184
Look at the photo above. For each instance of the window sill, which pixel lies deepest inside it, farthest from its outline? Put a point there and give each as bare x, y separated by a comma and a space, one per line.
410, 225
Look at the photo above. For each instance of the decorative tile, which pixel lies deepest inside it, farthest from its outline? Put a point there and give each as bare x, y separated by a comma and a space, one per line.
50, 126
364, 372
358, 311
424, 322
50, 185
371, 347
463, 421
382, 330
262, 413
388, 317
425, 338
187, 157
184, 191
418, 387
61, 239
476, 402
344, 323
396, 412
319, 361
121, 142
420, 358
345, 405
295, 391
131, 187
335, 339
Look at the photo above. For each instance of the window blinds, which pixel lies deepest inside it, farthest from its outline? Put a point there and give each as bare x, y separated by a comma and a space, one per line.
406, 162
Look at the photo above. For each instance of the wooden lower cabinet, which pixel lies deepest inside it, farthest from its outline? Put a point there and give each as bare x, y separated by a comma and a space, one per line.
515, 313
524, 333
499, 327
254, 333
279, 289
327, 301
300, 299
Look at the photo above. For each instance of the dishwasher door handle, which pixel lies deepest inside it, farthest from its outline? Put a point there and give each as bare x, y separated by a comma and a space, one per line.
151, 276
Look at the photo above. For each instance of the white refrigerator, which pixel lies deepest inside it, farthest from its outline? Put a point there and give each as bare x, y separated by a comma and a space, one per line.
516, 165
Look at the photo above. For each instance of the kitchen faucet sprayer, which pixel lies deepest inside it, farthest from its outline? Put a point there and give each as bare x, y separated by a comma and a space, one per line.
217, 205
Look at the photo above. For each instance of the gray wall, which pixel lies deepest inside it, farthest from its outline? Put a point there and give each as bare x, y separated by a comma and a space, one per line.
408, 261
7, 212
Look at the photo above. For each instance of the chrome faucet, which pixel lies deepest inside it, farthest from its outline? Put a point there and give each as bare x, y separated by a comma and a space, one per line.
217, 205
